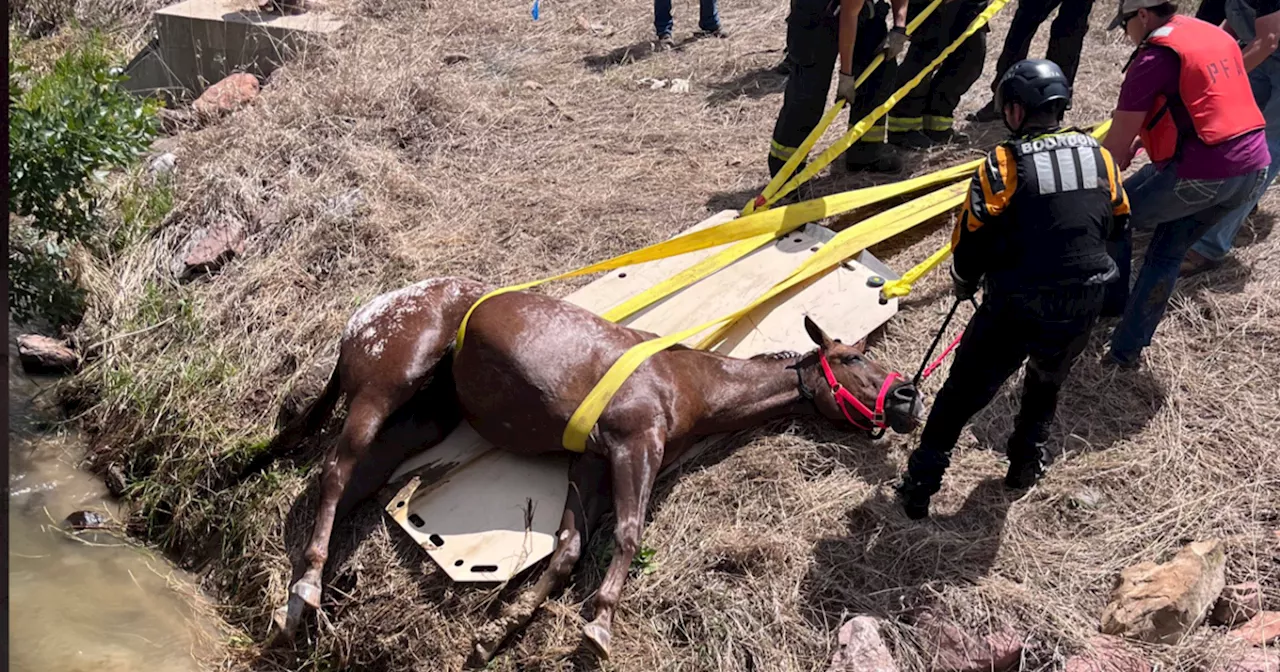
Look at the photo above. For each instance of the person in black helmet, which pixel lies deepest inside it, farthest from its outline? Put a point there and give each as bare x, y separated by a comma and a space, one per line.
1033, 235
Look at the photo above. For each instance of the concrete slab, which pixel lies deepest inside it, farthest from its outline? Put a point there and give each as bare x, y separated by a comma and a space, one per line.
199, 42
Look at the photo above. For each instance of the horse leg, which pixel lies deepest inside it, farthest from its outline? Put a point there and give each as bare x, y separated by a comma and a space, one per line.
582, 509
364, 418
635, 464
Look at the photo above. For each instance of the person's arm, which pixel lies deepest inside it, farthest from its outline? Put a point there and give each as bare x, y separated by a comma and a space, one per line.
898, 9
1122, 136
1119, 200
1153, 72
849, 11
989, 193
1266, 37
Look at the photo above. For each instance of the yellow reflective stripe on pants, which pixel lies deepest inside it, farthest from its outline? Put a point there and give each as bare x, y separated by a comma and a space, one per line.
904, 124
875, 134
780, 151
932, 123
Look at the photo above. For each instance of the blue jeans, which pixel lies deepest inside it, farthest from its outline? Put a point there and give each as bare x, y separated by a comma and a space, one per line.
709, 19
1180, 211
1266, 90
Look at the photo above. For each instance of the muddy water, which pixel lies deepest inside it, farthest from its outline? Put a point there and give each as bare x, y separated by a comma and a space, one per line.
106, 607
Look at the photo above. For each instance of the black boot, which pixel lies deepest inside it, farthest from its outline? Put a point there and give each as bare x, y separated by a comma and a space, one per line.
1023, 475
871, 157
1027, 460
948, 136
913, 497
986, 114
910, 139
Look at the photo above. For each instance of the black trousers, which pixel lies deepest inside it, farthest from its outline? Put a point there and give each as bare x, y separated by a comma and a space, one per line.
1066, 35
1049, 330
813, 50
932, 104
1212, 11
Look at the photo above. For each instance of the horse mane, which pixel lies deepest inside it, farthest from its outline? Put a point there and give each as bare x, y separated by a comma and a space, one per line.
777, 356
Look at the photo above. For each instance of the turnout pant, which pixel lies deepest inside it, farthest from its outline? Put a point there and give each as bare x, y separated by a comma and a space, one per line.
1066, 35
1048, 329
813, 51
931, 105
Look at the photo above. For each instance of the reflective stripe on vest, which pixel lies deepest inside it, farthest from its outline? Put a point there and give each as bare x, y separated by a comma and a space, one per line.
1213, 87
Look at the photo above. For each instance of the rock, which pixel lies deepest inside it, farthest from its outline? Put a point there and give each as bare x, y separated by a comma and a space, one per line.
1162, 603
85, 520
1261, 630
115, 480
1239, 602
1106, 654
227, 96
41, 354
951, 649
861, 649
1253, 660
209, 249
450, 59
163, 165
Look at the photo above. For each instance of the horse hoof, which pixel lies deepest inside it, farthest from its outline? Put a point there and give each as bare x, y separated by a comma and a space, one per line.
598, 637
307, 592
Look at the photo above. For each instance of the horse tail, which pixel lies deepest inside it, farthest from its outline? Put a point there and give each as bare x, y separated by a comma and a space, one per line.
306, 424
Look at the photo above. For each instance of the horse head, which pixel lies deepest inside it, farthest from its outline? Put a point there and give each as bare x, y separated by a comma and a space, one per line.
853, 388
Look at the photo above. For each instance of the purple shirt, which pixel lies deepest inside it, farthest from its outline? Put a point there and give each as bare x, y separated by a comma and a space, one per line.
1155, 71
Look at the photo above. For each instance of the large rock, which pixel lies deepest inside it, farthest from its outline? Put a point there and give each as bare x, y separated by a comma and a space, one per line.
1239, 602
41, 354
228, 95
209, 249
1106, 654
1261, 630
1162, 603
861, 649
948, 648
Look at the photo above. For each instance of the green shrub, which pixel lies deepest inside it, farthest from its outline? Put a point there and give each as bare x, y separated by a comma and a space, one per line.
67, 130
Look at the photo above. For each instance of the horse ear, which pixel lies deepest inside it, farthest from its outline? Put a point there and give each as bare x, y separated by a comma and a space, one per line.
861, 346
819, 337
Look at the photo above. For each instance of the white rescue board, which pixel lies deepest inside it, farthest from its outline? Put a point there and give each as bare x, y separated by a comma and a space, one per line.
486, 515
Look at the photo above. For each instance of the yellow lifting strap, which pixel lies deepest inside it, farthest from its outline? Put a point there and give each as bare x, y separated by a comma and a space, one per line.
753, 231
803, 150
902, 286
844, 245
831, 153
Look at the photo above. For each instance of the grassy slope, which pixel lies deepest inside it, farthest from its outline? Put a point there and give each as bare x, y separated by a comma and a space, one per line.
539, 152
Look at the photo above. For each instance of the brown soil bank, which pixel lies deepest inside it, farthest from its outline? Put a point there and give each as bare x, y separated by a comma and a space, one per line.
531, 149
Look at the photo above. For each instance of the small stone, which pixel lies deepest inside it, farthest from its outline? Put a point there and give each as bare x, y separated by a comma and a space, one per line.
532, 85
1162, 603
1239, 602
230, 94
861, 649
450, 59
41, 354
115, 480
954, 650
1106, 654
85, 520
1261, 630
163, 165
1253, 660
209, 249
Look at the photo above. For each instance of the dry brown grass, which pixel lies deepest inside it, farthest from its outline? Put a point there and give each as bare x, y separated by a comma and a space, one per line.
541, 152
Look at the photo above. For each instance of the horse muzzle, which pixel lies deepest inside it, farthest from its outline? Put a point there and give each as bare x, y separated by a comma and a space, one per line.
905, 408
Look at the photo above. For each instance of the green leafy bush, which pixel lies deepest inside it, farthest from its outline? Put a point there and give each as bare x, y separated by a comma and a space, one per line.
67, 129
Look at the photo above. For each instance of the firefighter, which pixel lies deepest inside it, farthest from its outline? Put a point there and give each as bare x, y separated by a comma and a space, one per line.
925, 116
852, 32
1033, 233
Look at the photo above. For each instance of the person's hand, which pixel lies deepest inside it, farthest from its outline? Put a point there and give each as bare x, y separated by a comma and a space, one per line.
845, 89
1122, 162
964, 289
894, 43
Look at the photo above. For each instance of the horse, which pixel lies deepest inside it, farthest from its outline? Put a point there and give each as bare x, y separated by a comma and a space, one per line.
527, 362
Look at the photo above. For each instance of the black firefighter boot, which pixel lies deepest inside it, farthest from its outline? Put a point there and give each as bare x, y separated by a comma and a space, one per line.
1026, 463
871, 157
914, 497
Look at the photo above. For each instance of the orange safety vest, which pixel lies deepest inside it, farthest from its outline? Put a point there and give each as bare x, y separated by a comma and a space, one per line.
1213, 87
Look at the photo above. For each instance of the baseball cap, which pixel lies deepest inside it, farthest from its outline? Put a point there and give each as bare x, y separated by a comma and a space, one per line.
1131, 6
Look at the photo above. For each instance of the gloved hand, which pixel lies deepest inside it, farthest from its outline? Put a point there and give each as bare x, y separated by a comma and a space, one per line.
845, 89
965, 289
894, 43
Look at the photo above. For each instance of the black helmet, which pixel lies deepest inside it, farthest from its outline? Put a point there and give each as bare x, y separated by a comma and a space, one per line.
1033, 82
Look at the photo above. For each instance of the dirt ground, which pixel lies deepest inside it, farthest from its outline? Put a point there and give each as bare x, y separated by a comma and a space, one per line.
464, 138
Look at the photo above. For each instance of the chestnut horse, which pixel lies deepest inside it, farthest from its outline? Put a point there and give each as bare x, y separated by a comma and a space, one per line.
527, 362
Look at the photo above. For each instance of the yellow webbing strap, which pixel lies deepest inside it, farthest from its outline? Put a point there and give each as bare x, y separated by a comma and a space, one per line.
753, 230
803, 150
859, 129
902, 286
845, 244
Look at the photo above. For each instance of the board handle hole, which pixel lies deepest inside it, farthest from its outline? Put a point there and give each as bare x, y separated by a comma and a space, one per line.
436, 539
622, 275
457, 563
416, 520
484, 569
